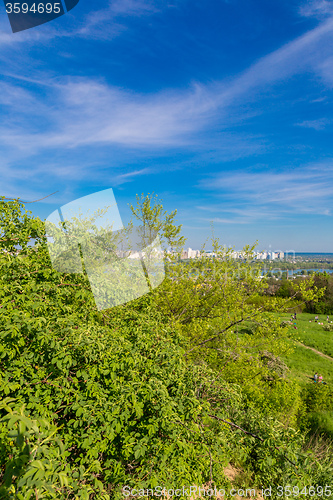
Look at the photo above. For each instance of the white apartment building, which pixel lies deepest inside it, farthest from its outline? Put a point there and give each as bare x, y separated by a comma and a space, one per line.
191, 254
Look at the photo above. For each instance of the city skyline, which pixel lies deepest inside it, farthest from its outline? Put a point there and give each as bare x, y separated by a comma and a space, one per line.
221, 108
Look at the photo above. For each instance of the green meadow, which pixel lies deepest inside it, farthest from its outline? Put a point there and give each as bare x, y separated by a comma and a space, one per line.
303, 362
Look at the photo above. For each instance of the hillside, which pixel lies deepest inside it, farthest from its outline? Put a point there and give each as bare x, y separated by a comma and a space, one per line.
170, 389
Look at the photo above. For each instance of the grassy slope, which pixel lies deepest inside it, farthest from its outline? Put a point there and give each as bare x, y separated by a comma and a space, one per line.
303, 363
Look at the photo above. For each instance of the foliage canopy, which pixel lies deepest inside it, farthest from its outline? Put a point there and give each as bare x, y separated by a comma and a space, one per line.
165, 390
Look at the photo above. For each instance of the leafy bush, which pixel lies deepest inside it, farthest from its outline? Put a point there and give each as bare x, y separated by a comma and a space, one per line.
317, 417
119, 398
284, 324
93, 401
318, 397
36, 460
328, 327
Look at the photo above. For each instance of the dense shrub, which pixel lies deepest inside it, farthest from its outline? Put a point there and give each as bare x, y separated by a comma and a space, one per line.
325, 305
93, 401
317, 417
119, 398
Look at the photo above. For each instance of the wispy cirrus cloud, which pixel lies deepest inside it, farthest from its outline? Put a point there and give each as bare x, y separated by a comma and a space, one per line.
316, 8
43, 115
84, 112
269, 194
230, 214
106, 21
80, 112
319, 124
221, 220
120, 179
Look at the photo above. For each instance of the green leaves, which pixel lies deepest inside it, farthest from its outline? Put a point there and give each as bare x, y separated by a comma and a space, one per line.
149, 211
17, 227
92, 401
104, 400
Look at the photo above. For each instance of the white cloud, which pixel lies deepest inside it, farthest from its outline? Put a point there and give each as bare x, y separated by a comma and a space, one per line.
269, 194
221, 220
104, 24
117, 180
81, 112
317, 8
43, 115
310, 51
84, 112
325, 70
319, 124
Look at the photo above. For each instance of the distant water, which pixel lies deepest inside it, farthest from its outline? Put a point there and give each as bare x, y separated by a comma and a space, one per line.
313, 254
315, 270
293, 272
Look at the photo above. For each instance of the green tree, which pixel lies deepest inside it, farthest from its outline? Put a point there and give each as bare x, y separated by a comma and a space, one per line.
17, 227
150, 213
324, 282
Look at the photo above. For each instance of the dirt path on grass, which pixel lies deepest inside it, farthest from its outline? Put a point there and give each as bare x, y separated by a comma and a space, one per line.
315, 350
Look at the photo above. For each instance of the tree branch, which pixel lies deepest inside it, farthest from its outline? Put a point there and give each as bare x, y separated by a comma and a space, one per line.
35, 201
222, 331
250, 434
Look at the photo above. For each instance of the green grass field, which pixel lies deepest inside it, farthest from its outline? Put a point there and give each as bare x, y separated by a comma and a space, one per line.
303, 363
311, 333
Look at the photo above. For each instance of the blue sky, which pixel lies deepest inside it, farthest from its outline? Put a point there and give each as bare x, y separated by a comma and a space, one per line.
221, 107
